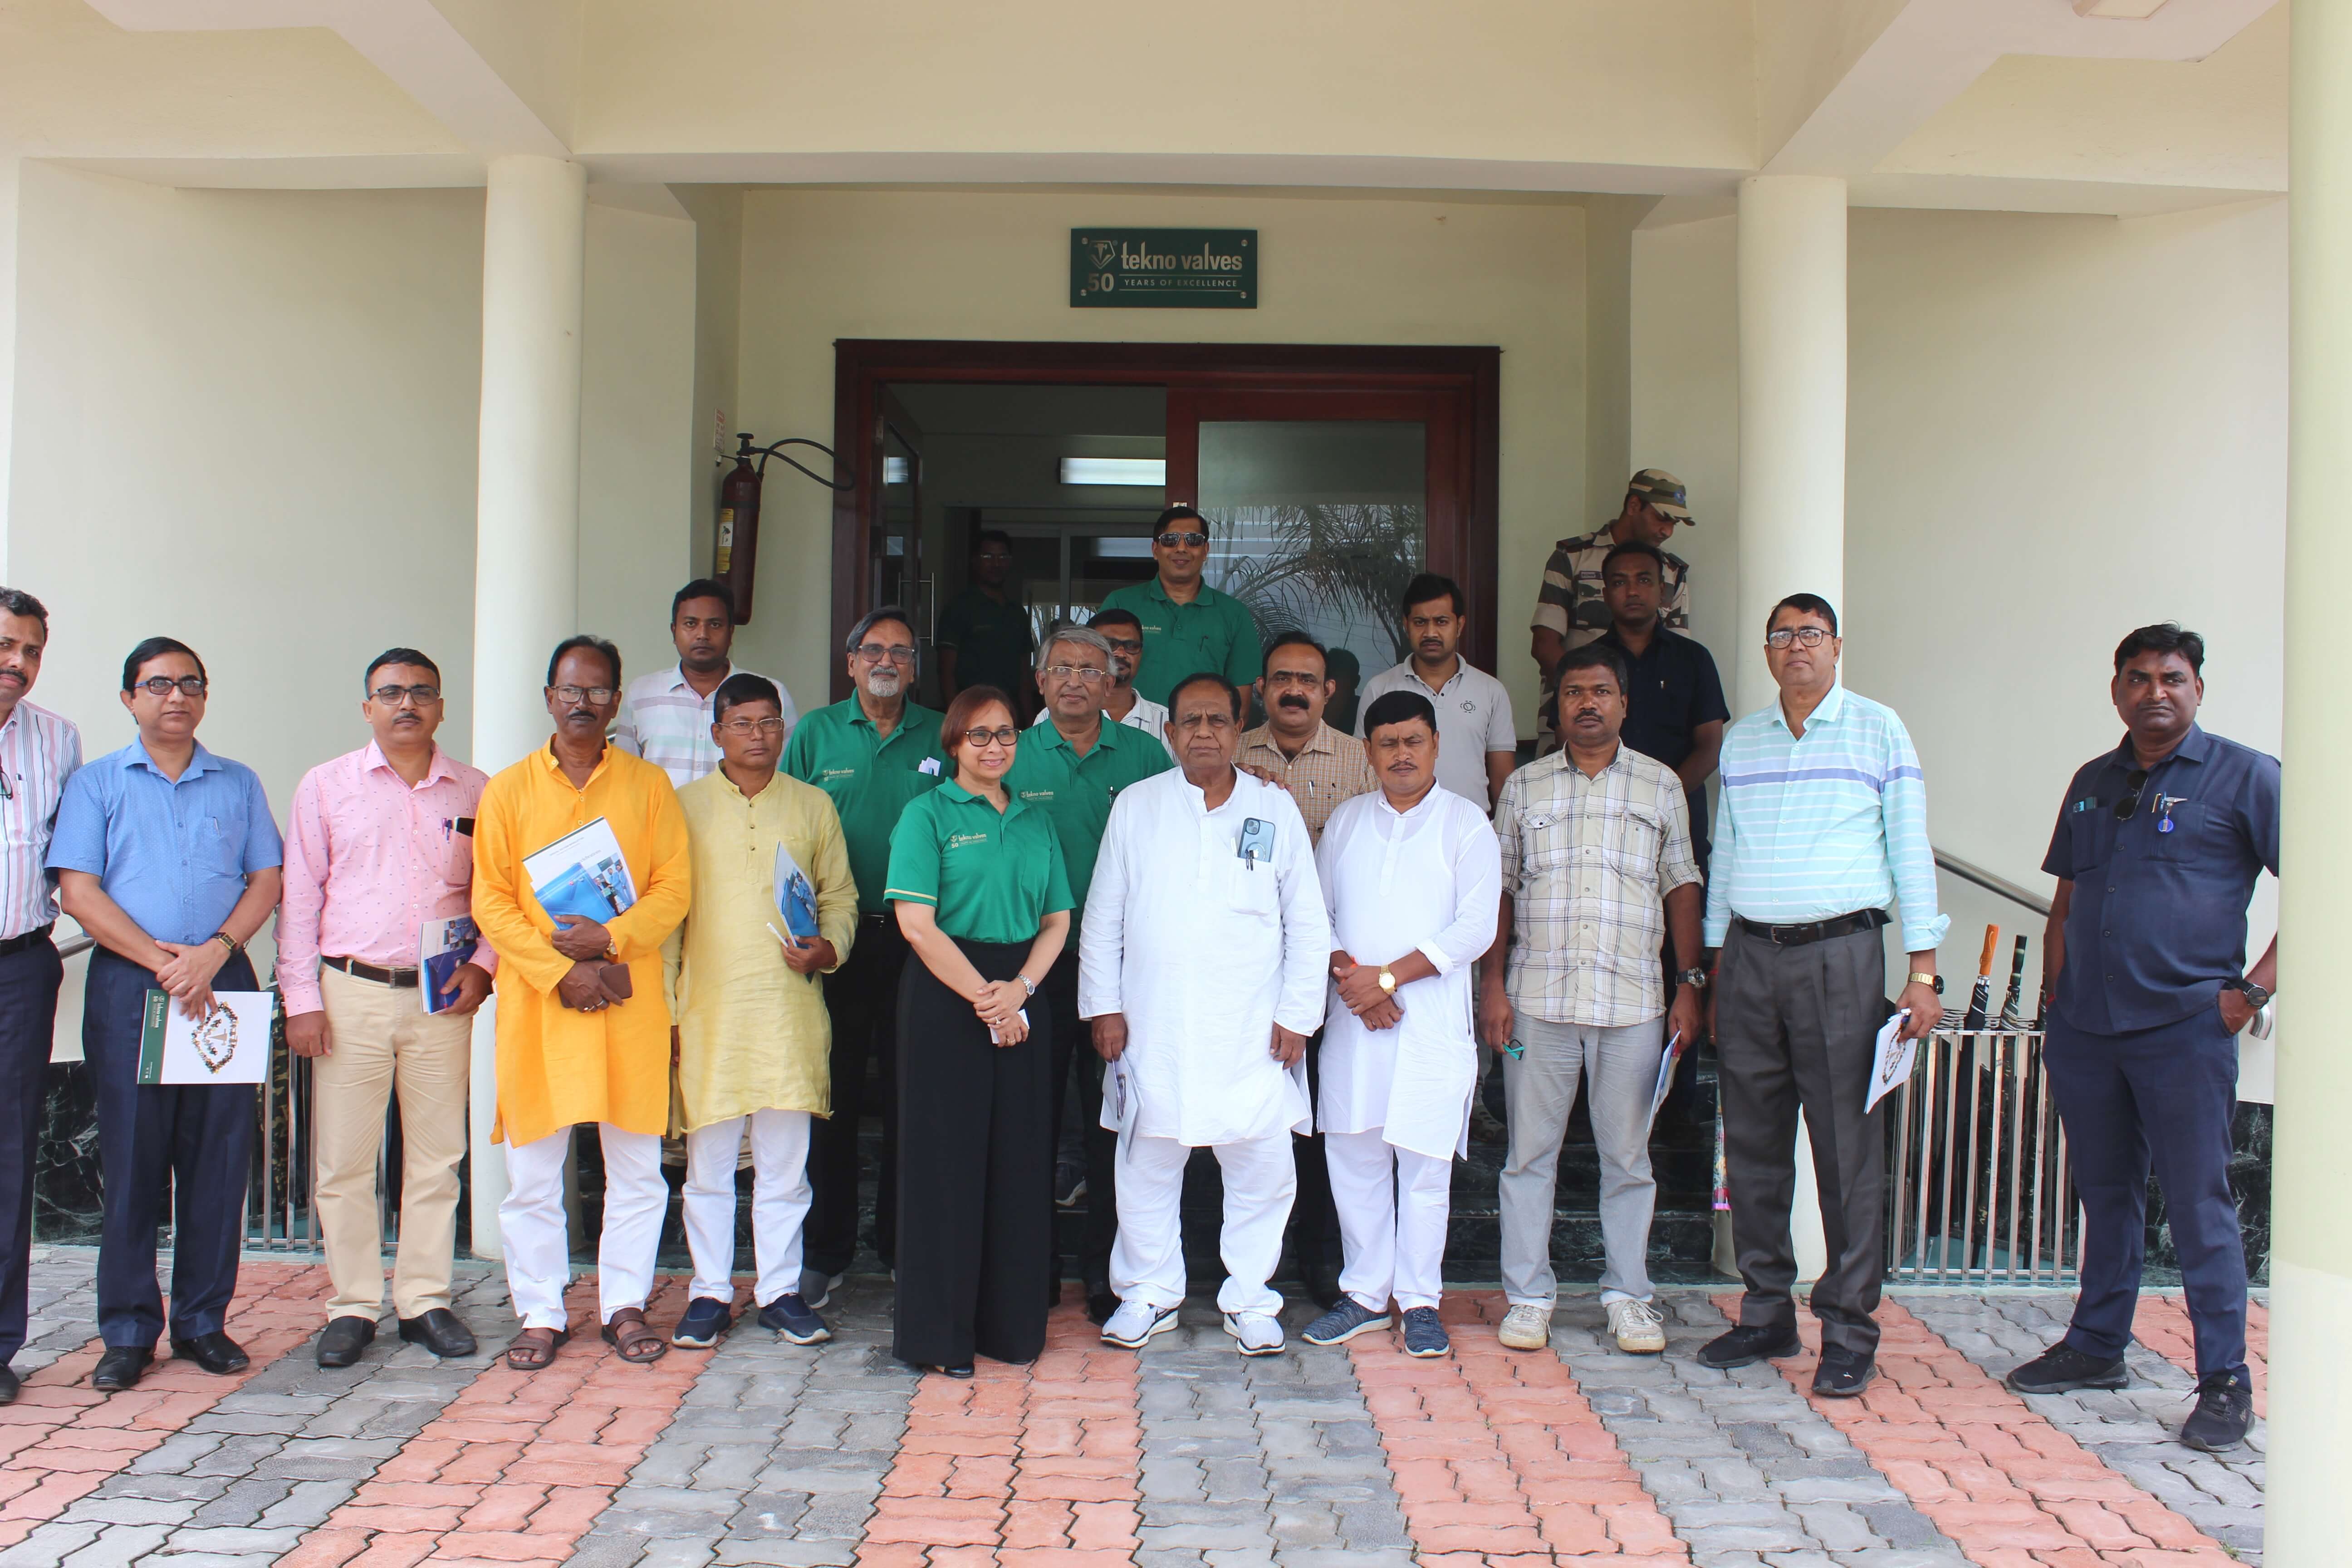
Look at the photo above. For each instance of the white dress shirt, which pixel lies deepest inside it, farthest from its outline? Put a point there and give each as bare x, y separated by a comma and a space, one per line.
668, 722
38, 751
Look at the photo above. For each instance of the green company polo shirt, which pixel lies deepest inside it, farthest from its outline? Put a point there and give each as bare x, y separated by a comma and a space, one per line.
1214, 632
992, 638
991, 876
870, 780
1075, 793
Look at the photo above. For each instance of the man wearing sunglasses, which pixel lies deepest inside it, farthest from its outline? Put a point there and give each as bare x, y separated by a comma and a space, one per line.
168, 857
380, 841
2144, 986
1189, 628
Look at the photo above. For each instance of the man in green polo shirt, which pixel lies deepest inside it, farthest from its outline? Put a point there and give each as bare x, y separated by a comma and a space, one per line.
984, 634
873, 751
1188, 627
1073, 766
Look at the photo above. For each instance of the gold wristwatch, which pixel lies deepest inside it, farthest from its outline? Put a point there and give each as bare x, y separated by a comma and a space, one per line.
1388, 980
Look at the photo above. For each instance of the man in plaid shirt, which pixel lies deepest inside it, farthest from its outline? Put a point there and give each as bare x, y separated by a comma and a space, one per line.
1597, 871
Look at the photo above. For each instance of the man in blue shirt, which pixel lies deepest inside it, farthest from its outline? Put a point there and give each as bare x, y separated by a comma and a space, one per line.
167, 856
2156, 852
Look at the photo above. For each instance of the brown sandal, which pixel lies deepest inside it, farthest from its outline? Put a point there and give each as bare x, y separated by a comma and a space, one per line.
633, 1338
535, 1348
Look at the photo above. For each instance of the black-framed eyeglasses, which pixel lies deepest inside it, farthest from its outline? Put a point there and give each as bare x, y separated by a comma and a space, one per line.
2135, 785
1085, 672
597, 694
875, 653
163, 685
753, 726
418, 696
1003, 735
1172, 541
1803, 636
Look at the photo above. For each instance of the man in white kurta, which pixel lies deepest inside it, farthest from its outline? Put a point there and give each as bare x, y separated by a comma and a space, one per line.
1412, 874
1201, 967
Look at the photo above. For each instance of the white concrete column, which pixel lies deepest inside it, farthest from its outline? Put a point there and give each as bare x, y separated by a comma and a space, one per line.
11, 191
2311, 1244
1791, 462
527, 539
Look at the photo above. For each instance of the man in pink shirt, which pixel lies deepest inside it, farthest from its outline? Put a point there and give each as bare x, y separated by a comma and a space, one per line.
380, 842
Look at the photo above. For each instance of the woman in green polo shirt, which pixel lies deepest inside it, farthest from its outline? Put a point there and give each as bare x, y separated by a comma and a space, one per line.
984, 902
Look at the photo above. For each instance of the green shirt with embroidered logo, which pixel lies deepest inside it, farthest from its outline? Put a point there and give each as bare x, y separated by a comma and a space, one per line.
1214, 632
1075, 793
990, 876
870, 776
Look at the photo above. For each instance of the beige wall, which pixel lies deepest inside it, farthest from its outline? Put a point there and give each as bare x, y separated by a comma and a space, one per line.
823, 265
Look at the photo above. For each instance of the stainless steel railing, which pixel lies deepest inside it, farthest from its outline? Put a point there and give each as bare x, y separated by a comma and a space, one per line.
1979, 1189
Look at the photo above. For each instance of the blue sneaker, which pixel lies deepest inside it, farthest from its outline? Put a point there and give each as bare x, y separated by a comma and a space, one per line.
1344, 1322
705, 1320
790, 1316
1424, 1335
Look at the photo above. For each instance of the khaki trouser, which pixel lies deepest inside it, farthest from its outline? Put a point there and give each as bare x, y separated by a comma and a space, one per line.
380, 1036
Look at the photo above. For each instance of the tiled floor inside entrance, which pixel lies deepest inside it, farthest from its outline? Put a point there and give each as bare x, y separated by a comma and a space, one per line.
761, 1452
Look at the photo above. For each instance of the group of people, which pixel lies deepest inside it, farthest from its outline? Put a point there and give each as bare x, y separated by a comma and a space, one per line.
1288, 945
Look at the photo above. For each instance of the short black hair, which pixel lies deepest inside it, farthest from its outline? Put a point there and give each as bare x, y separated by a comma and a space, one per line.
2165, 637
1182, 511
1593, 656
1115, 617
1399, 708
1206, 677
1296, 638
612, 655
741, 687
874, 617
703, 588
1657, 557
156, 647
992, 535
398, 656
1429, 586
17, 602
1804, 603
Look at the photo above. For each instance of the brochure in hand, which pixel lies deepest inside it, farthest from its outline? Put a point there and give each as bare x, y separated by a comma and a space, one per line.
1890, 1062
581, 874
442, 946
1666, 1065
232, 1045
796, 896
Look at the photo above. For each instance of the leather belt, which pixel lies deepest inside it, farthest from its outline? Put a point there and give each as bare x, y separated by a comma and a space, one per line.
31, 938
1812, 930
398, 979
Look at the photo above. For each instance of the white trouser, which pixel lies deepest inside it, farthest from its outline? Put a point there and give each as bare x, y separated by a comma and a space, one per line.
780, 1202
1393, 1249
1147, 1261
538, 1247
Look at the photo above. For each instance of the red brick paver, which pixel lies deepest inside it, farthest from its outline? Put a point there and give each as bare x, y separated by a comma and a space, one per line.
2161, 1324
1028, 1467
1498, 1457
62, 1439
2010, 1488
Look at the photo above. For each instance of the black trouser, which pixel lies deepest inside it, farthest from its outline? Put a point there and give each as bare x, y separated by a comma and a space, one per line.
1073, 1038
1796, 1027
862, 998
1313, 1218
196, 1137
976, 1193
29, 1018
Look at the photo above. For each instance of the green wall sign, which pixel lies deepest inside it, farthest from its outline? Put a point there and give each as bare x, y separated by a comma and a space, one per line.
1163, 268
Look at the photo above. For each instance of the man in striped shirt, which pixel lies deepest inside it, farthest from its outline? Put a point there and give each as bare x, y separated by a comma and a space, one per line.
38, 751
1822, 825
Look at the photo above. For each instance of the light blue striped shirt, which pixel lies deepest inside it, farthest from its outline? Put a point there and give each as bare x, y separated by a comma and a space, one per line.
1811, 828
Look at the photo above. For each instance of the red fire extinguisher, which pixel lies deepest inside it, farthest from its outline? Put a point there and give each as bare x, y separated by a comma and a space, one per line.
736, 556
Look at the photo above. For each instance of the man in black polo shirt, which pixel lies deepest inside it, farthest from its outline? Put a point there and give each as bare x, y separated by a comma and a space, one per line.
1675, 711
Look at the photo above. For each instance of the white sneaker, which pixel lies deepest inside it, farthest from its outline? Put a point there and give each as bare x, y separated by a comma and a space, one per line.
1255, 1333
1639, 1329
1136, 1321
1526, 1327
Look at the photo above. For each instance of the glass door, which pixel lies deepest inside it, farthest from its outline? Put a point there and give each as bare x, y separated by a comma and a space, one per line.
894, 557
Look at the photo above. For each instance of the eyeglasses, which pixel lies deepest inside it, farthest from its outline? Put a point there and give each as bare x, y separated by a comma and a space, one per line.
875, 653
416, 696
1125, 645
2135, 784
596, 695
1278, 678
1803, 636
1003, 735
1085, 672
1172, 541
748, 727
163, 685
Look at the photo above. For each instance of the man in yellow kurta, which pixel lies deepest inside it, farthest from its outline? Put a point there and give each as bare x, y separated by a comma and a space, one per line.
754, 1041
576, 1041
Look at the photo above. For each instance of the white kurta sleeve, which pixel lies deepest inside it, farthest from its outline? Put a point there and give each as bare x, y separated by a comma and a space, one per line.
1305, 925
1478, 860
1102, 930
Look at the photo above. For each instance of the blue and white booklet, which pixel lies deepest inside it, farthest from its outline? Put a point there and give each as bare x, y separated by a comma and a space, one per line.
581, 874
796, 896
444, 946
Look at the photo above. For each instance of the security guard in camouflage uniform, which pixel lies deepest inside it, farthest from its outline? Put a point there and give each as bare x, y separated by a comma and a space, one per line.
1569, 609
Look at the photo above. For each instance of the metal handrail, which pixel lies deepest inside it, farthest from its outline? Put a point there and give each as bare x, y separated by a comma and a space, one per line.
76, 945
1990, 883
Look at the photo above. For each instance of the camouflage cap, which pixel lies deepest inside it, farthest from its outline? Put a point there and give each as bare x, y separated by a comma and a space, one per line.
1663, 491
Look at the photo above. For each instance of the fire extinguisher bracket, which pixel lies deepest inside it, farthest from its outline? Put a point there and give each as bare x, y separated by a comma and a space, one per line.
735, 558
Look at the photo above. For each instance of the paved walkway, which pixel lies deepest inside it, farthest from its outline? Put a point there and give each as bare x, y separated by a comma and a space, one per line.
762, 1452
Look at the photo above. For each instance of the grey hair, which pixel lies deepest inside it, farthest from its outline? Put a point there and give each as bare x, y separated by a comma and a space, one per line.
866, 622
17, 602
1085, 636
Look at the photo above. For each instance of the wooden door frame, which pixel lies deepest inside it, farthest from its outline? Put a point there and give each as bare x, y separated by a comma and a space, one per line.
863, 365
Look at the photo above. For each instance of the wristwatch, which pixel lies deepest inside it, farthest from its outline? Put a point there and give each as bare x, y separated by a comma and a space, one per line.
2256, 997
1937, 981
1388, 980
1694, 978
235, 947
1029, 985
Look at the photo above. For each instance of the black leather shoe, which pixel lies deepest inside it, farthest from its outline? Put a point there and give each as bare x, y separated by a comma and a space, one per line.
342, 1340
9, 1384
119, 1368
1844, 1372
216, 1353
1100, 1302
440, 1331
2062, 1369
1745, 1347
2224, 1415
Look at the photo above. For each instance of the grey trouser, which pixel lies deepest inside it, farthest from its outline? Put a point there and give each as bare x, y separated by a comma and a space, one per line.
1796, 1026
1620, 1068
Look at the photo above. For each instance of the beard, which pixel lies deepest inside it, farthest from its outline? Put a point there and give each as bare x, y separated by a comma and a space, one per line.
885, 683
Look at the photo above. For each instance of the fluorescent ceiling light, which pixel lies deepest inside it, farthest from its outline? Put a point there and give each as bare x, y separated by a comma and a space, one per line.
1151, 471
1122, 548
894, 470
